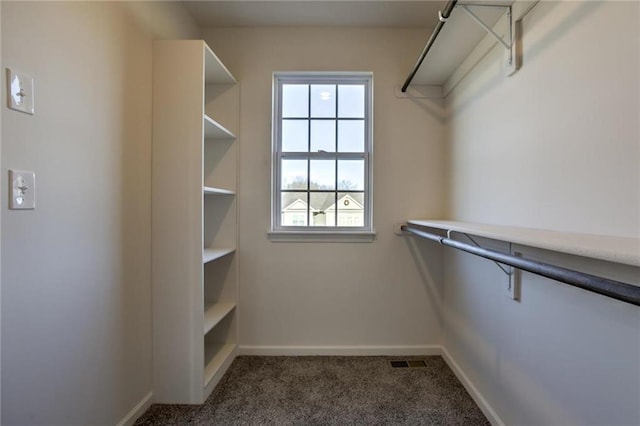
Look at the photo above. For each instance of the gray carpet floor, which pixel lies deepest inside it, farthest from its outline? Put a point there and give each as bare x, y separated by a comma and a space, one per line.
326, 390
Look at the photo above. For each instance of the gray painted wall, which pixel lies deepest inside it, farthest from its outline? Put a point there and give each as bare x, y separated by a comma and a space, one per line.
76, 295
556, 146
328, 297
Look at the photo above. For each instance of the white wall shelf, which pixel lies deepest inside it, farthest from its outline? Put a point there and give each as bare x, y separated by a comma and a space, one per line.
462, 44
215, 312
208, 190
194, 205
454, 43
214, 130
216, 355
211, 254
613, 249
215, 72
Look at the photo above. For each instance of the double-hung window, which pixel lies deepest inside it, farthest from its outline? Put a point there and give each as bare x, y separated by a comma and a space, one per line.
322, 146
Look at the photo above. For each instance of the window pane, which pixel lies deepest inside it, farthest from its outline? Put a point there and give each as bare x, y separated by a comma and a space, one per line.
351, 101
323, 174
321, 155
321, 208
350, 209
323, 100
323, 135
293, 209
294, 174
295, 135
351, 174
351, 136
295, 100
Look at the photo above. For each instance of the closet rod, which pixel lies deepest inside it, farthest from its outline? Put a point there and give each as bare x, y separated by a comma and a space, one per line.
442, 18
615, 289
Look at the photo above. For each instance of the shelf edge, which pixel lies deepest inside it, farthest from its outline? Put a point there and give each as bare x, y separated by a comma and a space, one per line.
210, 190
227, 134
621, 250
215, 313
216, 365
211, 254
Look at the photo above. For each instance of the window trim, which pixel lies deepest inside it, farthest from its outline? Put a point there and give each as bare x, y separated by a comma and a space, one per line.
278, 232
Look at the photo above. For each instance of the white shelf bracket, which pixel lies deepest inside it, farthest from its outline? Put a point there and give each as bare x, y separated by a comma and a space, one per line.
508, 271
513, 286
511, 45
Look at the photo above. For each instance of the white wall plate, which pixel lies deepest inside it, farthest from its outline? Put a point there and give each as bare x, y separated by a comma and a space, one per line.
22, 195
20, 92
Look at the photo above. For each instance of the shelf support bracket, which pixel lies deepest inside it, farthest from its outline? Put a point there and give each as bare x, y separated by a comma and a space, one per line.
513, 33
513, 287
508, 271
487, 28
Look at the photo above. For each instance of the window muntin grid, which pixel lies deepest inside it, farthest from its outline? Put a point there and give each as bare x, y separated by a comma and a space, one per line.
322, 152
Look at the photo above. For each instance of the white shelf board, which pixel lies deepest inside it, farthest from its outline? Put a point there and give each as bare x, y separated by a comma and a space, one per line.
209, 190
215, 130
215, 312
459, 36
218, 355
214, 70
211, 254
622, 250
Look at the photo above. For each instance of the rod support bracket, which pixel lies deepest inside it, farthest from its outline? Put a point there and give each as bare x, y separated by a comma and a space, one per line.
513, 289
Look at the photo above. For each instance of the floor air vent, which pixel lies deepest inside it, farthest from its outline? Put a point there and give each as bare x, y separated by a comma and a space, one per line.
412, 363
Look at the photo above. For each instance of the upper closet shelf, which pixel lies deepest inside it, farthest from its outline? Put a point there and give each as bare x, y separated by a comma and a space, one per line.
214, 70
215, 130
614, 249
465, 32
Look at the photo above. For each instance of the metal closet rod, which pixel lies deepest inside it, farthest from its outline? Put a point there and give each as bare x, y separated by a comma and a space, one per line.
615, 289
444, 14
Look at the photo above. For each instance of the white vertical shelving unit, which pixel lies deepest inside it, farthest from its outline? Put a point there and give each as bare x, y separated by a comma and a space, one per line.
194, 220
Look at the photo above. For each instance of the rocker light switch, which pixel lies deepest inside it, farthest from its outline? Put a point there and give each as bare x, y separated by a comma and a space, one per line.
20, 91
23, 190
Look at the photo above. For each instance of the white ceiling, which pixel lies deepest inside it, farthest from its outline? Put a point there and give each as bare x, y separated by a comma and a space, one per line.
361, 13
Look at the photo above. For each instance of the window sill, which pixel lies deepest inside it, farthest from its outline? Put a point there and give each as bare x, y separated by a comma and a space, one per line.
321, 236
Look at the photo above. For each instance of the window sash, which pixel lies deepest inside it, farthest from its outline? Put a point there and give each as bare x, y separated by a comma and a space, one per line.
278, 155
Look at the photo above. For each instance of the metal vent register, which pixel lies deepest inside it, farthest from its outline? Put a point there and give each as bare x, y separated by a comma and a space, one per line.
411, 363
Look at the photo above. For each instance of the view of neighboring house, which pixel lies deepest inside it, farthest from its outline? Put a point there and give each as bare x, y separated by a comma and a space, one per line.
323, 212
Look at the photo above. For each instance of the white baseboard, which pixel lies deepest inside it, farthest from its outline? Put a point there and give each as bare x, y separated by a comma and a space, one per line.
137, 411
487, 410
422, 350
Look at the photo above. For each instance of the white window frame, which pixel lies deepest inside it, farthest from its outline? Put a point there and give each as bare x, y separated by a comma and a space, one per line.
279, 232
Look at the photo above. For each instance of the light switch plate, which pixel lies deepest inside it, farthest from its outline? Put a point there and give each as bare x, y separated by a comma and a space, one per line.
22, 193
20, 92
